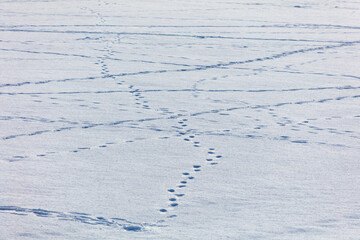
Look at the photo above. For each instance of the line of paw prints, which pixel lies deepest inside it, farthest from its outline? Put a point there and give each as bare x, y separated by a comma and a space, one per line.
309, 124
175, 194
105, 72
16, 158
191, 138
79, 149
76, 150
143, 103
139, 99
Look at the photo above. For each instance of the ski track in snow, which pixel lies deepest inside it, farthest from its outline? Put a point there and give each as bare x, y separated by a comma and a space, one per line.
105, 57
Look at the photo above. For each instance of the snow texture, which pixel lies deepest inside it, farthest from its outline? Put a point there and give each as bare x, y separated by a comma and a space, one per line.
209, 119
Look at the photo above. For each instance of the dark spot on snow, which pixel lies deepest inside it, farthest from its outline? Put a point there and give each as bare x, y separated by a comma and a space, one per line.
299, 141
132, 228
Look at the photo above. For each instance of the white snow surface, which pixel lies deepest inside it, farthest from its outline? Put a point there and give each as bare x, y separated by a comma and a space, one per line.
216, 119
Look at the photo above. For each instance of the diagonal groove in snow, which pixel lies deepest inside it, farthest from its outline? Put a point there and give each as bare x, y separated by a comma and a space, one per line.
171, 35
346, 87
200, 68
290, 140
115, 102
301, 25
91, 57
178, 116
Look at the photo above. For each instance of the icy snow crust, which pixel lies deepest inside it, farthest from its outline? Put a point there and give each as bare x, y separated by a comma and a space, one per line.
179, 119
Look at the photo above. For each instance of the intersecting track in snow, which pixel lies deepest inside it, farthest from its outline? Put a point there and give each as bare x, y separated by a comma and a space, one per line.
200, 68
216, 113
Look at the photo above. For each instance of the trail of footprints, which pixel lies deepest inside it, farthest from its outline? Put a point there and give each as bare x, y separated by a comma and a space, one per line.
140, 102
176, 193
310, 124
74, 150
212, 158
84, 218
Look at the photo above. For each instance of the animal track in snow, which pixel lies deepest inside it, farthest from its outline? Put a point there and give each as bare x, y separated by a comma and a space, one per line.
186, 176
83, 218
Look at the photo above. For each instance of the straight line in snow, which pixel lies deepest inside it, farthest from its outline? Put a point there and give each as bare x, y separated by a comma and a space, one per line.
170, 35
